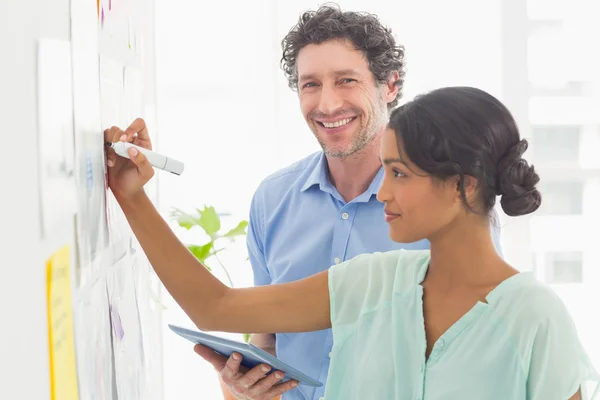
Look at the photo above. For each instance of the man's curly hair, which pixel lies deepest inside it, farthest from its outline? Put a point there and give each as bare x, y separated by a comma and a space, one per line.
363, 30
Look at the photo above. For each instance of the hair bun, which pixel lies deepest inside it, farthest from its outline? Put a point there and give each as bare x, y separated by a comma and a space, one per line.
516, 182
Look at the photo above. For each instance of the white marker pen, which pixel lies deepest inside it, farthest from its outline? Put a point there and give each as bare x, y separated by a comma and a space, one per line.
156, 160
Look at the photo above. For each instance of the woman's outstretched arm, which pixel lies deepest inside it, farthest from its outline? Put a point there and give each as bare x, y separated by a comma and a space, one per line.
292, 307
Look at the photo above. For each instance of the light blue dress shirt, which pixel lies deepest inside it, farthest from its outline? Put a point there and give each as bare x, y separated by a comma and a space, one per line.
518, 344
299, 226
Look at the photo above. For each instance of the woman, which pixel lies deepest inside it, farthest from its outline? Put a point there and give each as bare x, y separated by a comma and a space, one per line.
455, 322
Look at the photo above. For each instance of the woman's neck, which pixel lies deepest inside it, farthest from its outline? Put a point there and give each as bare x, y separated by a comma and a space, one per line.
464, 255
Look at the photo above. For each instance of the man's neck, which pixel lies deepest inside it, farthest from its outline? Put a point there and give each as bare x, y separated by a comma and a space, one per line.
353, 175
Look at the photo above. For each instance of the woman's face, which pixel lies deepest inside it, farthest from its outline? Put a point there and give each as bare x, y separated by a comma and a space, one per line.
417, 206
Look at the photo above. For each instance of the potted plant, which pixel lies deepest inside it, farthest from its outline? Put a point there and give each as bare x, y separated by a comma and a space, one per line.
207, 251
215, 242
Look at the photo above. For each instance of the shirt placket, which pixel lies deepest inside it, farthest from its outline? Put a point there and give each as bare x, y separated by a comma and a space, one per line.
341, 236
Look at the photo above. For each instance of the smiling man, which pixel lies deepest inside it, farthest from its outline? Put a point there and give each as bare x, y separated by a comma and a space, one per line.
348, 71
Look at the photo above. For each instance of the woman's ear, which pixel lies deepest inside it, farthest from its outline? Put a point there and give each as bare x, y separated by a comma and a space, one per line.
470, 185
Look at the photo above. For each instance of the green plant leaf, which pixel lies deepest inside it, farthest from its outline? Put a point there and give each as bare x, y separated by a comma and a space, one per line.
184, 219
202, 252
209, 221
239, 230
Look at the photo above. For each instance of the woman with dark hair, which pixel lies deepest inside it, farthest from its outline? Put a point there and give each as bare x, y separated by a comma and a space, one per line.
453, 322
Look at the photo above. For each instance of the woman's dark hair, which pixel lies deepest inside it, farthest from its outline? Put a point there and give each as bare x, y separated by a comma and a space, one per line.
463, 131
364, 31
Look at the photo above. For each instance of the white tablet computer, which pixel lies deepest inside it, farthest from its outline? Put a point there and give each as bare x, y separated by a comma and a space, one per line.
251, 355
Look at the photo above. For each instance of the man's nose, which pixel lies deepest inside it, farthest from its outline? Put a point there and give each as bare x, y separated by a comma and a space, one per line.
330, 100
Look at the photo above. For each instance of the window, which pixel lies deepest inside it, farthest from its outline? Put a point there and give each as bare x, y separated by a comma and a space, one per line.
556, 143
563, 267
546, 9
551, 78
561, 198
544, 68
570, 89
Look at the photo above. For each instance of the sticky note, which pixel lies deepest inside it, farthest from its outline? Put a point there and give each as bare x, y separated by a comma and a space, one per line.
63, 370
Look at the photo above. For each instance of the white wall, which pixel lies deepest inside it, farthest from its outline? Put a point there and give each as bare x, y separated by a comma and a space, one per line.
24, 361
24, 372
225, 108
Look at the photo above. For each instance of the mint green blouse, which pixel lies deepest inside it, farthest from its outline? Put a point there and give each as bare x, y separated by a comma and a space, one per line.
519, 344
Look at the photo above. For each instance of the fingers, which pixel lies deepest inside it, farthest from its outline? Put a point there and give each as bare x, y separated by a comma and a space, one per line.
281, 388
109, 136
218, 361
253, 376
266, 384
137, 133
253, 384
110, 133
232, 367
115, 134
141, 162
111, 158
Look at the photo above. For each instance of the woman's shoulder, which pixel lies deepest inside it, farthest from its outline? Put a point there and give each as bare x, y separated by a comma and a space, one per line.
368, 282
553, 357
531, 300
404, 268
534, 313
409, 261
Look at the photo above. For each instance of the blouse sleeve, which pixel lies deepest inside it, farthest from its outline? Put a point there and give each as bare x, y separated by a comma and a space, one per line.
366, 282
357, 286
559, 365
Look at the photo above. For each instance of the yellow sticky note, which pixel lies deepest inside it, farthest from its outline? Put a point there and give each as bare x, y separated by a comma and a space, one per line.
63, 370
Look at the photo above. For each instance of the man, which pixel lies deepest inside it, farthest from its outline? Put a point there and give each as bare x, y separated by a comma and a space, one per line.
348, 72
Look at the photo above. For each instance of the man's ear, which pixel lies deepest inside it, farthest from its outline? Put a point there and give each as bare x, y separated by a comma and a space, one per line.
391, 87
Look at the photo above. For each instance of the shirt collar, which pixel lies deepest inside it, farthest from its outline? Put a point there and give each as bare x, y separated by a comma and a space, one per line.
319, 176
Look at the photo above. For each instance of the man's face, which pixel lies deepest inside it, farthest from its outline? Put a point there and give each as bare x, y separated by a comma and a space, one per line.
340, 100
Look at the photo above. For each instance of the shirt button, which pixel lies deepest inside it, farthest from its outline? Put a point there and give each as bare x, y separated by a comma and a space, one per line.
345, 215
336, 260
321, 398
330, 354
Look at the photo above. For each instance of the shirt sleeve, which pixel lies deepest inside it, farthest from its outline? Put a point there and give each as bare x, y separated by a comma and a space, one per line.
559, 365
255, 241
366, 282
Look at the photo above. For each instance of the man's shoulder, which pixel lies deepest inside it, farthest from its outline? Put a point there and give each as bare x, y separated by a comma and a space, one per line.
291, 176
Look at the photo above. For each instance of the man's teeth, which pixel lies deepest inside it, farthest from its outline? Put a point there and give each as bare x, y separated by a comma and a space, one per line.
336, 124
